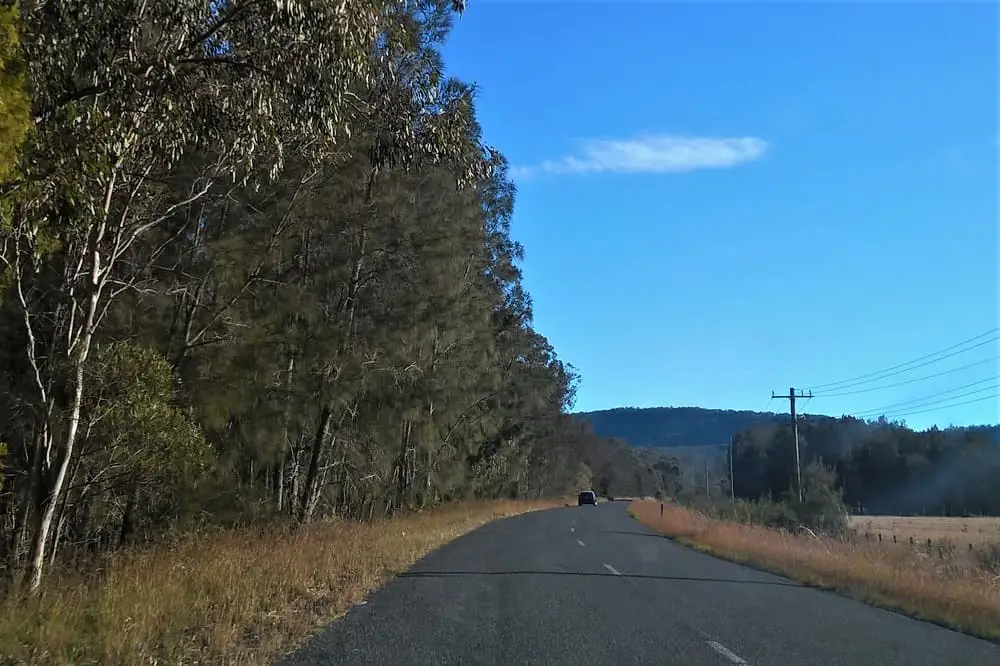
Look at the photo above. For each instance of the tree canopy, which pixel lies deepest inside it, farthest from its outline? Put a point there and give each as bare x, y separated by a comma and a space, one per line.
257, 264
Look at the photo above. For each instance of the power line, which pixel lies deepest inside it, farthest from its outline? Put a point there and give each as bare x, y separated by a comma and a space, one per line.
929, 397
914, 367
838, 386
912, 381
957, 404
930, 400
769, 400
921, 358
960, 395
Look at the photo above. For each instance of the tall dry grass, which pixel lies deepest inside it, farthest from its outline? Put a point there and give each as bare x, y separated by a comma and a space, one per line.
235, 597
942, 586
957, 530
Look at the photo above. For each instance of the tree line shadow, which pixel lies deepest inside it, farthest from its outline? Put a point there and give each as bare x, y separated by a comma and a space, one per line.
594, 574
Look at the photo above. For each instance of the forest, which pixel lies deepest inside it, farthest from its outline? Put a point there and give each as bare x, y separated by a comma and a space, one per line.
256, 264
880, 467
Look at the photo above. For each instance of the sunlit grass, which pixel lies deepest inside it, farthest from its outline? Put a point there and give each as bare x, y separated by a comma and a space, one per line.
943, 585
235, 597
958, 531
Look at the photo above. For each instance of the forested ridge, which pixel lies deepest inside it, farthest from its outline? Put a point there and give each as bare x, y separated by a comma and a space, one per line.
666, 427
257, 263
877, 465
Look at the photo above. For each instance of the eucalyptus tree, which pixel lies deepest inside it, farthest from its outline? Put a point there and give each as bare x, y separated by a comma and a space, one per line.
121, 92
262, 243
15, 120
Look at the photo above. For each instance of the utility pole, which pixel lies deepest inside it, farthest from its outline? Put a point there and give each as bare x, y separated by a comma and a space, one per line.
732, 479
795, 429
708, 492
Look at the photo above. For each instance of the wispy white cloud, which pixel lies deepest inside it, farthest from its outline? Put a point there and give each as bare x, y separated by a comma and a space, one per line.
653, 154
518, 172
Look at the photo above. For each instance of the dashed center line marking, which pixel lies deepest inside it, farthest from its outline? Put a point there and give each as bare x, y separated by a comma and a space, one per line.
612, 570
572, 529
724, 651
580, 542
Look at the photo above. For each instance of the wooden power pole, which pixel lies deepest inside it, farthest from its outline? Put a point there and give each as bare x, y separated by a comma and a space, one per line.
732, 479
708, 491
795, 429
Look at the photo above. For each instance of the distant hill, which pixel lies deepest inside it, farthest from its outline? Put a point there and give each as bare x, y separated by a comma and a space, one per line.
673, 427
668, 427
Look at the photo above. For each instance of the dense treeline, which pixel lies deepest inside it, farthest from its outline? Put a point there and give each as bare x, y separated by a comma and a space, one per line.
879, 466
256, 262
618, 469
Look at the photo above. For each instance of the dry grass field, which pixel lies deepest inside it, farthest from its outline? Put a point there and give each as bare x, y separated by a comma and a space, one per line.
958, 531
235, 597
950, 585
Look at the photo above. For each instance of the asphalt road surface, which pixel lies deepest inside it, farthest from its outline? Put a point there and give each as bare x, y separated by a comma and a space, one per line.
590, 585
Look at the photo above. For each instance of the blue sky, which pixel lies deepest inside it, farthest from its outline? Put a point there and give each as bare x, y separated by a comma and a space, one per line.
721, 200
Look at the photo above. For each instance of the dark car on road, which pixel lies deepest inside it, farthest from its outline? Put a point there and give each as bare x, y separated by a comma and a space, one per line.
586, 497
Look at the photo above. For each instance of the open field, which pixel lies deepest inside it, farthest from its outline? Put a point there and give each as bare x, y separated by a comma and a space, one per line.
959, 531
944, 585
235, 597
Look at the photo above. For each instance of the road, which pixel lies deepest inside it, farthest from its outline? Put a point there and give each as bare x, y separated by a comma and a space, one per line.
590, 585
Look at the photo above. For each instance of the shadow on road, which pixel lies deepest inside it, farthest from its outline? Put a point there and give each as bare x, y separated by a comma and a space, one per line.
601, 574
638, 534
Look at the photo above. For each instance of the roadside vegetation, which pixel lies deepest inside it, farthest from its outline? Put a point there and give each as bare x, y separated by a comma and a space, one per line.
257, 287
966, 532
240, 596
948, 583
888, 515
261, 314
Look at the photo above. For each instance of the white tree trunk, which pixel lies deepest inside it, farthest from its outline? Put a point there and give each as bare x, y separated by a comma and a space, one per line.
55, 494
78, 357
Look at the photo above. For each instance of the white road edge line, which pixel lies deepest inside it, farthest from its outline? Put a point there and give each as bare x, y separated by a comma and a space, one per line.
612, 570
724, 651
580, 542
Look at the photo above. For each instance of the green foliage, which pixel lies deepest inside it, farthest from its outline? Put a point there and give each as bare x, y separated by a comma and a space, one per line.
15, 107
879, 466
765, 511
15, 123
135, 422
269, 254
822, 507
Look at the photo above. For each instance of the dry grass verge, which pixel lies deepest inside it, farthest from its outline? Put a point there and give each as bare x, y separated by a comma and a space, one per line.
958, 531
942, 587
239, 597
